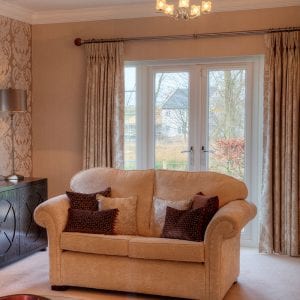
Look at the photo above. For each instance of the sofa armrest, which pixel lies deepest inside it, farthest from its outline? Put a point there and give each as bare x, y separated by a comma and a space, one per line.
230, 219
53, 215
222, 246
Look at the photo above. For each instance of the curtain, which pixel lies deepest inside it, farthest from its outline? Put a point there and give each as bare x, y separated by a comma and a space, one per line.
280, 190
104, 106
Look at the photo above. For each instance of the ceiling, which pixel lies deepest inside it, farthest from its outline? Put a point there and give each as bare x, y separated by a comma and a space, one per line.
51, 5
58, 11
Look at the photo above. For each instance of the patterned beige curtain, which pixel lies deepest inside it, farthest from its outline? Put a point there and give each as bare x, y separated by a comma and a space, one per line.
281, 185
104, 106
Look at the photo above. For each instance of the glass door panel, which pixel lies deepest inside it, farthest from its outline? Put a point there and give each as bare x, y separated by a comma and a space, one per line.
226, 121
171, 120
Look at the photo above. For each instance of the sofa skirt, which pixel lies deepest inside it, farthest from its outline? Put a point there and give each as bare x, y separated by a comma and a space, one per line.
165, 278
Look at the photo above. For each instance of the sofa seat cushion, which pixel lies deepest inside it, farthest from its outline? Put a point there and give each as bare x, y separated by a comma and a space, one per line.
166, 249
95, 243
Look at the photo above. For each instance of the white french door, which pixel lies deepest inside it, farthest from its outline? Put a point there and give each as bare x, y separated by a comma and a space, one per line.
199, 117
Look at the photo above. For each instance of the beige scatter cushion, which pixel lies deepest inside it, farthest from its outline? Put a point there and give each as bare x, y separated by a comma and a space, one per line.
126, 219
159, 212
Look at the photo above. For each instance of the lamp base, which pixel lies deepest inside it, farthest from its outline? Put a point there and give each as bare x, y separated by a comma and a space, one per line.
14, 177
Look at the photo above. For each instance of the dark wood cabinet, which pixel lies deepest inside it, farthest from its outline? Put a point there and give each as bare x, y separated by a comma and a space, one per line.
19, 234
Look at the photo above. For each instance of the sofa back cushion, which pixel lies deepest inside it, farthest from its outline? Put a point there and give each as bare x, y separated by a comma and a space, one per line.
123, 184
178, 185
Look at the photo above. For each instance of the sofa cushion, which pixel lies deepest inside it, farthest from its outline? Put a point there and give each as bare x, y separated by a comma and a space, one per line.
88, 221
166, 249
86, 201
123, 184
159, 213
178, 185
211, 203
126, 219
185, 224
95, 243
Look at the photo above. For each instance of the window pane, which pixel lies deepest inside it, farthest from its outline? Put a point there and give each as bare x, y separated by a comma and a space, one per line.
130, 119
171, 120
226, 113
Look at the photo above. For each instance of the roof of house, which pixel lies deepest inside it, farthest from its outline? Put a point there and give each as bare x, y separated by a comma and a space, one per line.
178, 100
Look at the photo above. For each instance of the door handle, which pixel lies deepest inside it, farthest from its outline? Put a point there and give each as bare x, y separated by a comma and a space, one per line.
188, 151
206, 151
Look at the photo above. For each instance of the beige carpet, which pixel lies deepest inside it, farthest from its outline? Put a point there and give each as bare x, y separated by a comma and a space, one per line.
262, 277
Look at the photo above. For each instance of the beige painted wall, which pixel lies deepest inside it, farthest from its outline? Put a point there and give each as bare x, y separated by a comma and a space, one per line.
59, 72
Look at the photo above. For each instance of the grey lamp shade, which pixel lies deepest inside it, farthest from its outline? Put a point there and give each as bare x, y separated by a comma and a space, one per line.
13, 100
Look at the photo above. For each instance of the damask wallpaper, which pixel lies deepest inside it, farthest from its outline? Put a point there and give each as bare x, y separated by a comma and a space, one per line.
15, 72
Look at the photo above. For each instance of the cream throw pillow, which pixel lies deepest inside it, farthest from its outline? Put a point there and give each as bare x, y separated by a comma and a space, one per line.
159, 212
126, 219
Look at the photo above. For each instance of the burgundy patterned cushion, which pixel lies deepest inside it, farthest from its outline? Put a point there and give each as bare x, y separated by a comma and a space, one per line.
184, 224
86, 221
211, 203
86, 201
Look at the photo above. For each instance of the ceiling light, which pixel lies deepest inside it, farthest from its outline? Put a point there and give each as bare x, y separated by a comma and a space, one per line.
184, 10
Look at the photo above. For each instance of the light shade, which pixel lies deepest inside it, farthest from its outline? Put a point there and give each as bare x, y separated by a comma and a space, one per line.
160, 5
206, 7
13, 100
184, 3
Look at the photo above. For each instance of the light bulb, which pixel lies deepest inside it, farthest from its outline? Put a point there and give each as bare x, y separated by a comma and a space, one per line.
206, 6
160, 5
169, 9
195, 10
184, 3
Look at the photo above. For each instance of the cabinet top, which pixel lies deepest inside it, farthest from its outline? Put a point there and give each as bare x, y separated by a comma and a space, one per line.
9, 185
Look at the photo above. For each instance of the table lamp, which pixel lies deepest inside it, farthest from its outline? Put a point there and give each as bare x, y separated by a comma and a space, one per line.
13, 101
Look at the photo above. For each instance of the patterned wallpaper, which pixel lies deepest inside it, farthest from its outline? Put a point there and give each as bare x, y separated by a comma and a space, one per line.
15, 72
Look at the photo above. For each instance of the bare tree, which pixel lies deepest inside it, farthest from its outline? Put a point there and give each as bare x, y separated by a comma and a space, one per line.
227, 121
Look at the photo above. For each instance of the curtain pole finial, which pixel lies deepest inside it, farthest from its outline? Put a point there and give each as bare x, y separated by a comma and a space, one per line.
78, 41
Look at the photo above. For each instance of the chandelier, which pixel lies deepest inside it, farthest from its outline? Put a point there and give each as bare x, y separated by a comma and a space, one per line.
184, 10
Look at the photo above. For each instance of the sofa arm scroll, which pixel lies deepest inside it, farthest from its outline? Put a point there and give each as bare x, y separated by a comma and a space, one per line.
230, 219
53, 214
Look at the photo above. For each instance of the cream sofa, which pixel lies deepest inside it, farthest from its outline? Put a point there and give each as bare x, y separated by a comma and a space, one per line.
143, 263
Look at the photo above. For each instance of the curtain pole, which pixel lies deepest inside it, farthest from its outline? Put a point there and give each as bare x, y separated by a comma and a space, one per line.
196, 36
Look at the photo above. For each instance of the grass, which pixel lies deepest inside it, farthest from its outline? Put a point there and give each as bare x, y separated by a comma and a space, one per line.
168, 156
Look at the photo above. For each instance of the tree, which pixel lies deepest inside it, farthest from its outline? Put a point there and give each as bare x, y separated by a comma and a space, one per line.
229, 154
227, 121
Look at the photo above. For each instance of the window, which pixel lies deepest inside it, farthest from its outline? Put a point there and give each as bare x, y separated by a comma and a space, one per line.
226, 121
130, 118
171, 105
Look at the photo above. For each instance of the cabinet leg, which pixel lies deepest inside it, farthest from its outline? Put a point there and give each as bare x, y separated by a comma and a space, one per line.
43, 249
59, 288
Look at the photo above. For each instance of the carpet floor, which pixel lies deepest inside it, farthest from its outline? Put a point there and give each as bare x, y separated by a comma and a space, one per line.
262, 277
